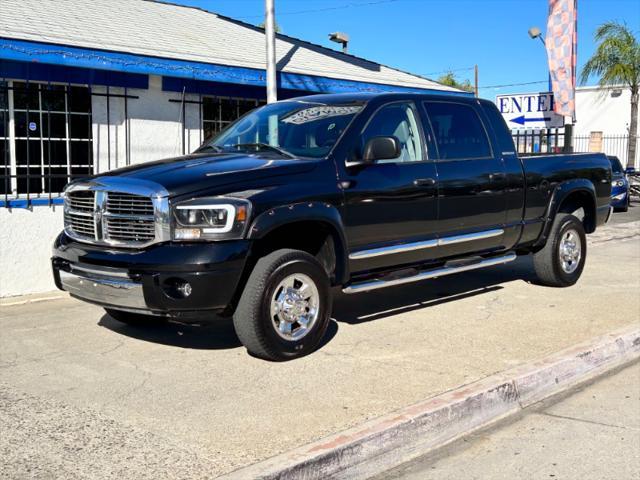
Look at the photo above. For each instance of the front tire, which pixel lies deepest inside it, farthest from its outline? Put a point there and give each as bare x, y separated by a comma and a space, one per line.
285, 308
561, 261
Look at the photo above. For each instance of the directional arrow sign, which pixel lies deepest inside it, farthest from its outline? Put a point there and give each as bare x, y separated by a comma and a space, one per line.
529, 111
521, 120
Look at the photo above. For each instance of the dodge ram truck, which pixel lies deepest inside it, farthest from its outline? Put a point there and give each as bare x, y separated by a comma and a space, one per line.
304, 197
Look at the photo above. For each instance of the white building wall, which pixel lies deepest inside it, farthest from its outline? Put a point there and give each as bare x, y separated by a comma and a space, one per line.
607, 111
26, 238
155, 131
154, 124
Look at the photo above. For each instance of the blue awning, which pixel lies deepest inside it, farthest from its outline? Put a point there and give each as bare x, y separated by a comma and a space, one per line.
43, 53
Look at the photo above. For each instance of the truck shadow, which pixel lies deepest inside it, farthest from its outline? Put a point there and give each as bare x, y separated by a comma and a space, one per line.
375, 305
218, 334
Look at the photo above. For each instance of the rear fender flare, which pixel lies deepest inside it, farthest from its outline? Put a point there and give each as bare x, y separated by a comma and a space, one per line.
560, 193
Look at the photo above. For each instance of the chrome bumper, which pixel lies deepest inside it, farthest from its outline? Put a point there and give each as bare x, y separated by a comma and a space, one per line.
104, 287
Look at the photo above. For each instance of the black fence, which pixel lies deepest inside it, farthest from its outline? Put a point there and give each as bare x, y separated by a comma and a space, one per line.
539, 142
548, 141
615, 145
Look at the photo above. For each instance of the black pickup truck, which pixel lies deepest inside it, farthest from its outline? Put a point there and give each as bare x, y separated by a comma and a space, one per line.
355, 191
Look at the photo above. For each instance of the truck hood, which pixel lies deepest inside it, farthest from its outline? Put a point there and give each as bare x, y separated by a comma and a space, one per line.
194, 173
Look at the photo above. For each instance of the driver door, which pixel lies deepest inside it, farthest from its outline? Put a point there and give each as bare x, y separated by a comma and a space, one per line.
391, 205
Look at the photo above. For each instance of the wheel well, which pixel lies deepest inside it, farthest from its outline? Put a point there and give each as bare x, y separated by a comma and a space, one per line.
320, 239
581, 200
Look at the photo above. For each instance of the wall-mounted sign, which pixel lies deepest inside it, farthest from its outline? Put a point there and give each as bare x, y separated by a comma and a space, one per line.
32, 126
529, 111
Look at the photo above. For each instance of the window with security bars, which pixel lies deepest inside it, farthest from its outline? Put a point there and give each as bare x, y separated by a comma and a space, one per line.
45, 135
218, 112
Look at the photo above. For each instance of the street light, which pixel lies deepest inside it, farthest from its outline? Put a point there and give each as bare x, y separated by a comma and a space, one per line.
534, 32
340, 37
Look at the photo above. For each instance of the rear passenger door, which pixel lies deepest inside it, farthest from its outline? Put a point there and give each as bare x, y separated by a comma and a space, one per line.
471, 180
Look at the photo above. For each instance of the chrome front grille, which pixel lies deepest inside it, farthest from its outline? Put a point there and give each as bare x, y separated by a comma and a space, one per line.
79, 216
82, 201
128, 204
129, 218
96, 214
129, 229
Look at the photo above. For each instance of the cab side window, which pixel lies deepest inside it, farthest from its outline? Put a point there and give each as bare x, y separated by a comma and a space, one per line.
458, 131
398, 120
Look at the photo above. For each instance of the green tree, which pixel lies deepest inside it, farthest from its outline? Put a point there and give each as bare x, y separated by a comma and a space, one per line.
277, 27
450, 80
616, 61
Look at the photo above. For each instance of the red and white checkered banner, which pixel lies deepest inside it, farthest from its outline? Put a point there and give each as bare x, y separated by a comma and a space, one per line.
562, 50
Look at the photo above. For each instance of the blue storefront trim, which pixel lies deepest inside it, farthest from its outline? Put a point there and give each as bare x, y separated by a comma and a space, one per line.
62, 74
23, 51
31, 202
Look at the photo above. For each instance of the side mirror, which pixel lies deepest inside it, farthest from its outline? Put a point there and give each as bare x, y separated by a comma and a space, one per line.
630, 171
381, 148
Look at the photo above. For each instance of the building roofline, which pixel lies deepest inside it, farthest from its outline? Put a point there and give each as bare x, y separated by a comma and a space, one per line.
307, 42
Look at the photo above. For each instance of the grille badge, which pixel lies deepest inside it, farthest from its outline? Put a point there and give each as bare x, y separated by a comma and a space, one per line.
101, 202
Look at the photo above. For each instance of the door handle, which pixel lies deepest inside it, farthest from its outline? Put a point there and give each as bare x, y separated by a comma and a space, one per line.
424, 182
496, 176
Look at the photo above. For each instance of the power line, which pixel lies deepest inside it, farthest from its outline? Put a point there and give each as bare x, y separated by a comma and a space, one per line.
448, 70
326, 9
515, 84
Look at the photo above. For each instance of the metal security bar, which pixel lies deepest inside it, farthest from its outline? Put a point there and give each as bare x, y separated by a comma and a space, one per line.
47, 138
539, 142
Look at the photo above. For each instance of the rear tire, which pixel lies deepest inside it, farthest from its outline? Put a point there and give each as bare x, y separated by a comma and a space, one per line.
135, 319
285, 308
561, 261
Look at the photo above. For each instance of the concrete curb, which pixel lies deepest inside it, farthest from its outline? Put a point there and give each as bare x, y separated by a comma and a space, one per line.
385, 442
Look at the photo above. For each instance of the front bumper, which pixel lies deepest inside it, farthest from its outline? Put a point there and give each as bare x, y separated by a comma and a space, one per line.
146, 280
619, 198
102, 289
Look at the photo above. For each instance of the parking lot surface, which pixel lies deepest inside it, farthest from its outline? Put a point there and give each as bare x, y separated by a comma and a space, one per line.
83, 396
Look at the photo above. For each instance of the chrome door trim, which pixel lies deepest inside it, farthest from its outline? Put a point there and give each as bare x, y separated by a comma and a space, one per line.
429, 274
469, 237
410, 247
405, 247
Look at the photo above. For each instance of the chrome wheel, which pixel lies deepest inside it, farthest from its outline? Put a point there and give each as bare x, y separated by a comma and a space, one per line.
295, 307
570, 251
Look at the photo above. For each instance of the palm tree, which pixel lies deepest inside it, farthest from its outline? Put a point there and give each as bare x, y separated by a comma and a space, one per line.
617, 61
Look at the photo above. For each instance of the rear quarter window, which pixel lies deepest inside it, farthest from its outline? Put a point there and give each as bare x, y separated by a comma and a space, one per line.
503, 135
458, 131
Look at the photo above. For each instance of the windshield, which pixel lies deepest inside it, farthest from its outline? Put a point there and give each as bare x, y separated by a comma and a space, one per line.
294, 128
616, 166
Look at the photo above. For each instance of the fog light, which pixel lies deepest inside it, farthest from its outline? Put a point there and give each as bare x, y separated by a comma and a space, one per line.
184, 288
177, 288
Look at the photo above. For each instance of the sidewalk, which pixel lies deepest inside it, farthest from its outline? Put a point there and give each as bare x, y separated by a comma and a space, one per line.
593, 434
85, 395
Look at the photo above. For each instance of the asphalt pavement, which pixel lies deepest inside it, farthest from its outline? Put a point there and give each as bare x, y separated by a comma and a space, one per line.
83, 396
590, 434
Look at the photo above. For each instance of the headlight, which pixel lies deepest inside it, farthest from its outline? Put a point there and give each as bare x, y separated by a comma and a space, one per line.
617, 183
215, 218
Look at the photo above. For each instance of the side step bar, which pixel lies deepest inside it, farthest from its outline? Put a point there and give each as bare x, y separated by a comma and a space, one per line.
438, 272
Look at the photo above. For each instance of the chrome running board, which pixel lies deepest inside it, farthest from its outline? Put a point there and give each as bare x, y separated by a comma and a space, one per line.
377, 283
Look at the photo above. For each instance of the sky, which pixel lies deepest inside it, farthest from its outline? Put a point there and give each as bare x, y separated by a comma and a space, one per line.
429, 37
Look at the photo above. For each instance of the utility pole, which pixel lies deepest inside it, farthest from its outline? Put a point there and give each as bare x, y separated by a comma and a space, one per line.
475, 70
270, 36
